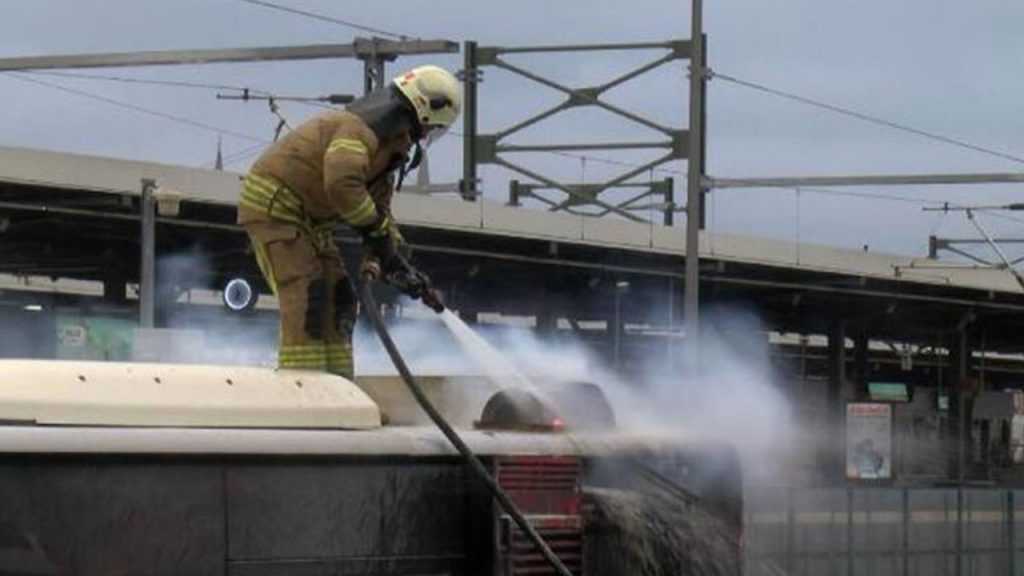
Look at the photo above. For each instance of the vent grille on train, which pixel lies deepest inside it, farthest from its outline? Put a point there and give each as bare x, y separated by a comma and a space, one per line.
547, 491
526, 560
542, 484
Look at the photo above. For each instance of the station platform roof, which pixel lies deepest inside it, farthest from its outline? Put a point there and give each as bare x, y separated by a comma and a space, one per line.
72, 215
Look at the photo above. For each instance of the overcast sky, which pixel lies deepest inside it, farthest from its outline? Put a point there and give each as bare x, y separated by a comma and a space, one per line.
948, 67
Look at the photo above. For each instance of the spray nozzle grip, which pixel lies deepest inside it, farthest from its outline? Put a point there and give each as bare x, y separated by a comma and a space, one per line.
432, 299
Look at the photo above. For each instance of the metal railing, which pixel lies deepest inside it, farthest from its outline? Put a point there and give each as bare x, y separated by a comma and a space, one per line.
857, 531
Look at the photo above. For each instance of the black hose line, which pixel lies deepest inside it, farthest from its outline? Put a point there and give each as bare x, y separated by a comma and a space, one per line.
370, 305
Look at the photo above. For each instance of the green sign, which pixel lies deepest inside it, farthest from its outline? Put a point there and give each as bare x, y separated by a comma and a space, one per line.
94, 337
888, 392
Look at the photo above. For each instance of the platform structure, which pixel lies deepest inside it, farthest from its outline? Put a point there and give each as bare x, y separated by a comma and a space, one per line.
70, 237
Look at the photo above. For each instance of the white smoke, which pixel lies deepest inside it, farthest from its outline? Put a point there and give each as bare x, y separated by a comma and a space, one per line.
427, 347
735, 401
198, 329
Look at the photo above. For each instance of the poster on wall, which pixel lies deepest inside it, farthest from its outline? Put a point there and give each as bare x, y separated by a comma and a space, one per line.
94, 337
868, 441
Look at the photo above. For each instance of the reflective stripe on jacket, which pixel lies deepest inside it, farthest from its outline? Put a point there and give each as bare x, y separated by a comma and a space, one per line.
330, 167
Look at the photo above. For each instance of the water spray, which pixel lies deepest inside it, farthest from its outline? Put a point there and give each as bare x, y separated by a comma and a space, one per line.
370, 305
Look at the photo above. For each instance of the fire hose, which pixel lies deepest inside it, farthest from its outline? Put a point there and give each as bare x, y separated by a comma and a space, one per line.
372, 310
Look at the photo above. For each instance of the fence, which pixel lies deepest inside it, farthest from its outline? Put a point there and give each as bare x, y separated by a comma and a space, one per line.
883, 531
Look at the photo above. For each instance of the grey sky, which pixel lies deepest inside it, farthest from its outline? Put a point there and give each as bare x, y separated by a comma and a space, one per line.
949, 67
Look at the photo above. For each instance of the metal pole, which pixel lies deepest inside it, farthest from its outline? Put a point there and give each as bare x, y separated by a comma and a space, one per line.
995, 247
945, 517
362, 46
959, 529
835, 401
906, 531
670, 201
703, 128
147, 271
671, 322
470, 77
1011, 530
373, 73
790, 529
963, 357
849, 531
618, 324
694, 189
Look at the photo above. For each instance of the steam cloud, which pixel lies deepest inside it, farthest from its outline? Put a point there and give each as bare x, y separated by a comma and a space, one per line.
735, 400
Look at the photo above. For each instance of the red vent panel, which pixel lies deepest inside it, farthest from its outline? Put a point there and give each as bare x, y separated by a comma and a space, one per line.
526, 560
541, 484
547, 490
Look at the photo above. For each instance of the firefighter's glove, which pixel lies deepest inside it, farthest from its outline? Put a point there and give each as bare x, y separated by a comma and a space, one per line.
389, 260
379, 241
412, 282
370, 268
432, 298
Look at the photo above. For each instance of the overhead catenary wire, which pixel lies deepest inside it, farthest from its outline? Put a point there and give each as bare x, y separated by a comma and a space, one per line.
238, 155
916, 200
812, 190
324, 18
146, 81
868, 195
231, 158
247, 151
612, 162
588, 158
1000, 216
136, 108
866, 117
840, 110
318, 102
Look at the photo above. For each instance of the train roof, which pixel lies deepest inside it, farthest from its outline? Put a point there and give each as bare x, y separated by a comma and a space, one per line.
95, 408
75, 393
388, 441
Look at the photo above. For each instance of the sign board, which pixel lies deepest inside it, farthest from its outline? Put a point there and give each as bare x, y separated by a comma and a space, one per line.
888, 392
84, 337
868, 441
1018, 402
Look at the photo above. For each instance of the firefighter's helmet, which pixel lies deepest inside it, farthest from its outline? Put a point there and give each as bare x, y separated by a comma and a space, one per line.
434, 94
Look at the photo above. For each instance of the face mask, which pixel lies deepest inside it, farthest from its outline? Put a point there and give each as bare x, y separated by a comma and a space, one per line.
434, 133
412, 164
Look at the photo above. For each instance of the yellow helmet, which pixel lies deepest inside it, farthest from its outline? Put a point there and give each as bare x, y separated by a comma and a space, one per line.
434, 93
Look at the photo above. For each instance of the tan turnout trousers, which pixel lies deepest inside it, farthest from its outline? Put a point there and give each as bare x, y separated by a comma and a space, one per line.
304, 269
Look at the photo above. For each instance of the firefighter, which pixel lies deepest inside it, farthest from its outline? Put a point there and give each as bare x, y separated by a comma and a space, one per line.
341, 166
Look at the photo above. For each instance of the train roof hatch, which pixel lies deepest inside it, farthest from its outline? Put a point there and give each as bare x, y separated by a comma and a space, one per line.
179, 395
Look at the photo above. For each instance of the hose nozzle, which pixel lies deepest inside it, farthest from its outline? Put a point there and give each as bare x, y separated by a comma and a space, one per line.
432, 299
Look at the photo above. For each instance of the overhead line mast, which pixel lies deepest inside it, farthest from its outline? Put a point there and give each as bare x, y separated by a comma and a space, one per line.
374, 52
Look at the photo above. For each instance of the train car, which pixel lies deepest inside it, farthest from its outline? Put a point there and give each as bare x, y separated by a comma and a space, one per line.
129, 469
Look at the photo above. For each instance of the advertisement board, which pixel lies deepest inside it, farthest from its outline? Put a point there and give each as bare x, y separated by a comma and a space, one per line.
868, 441
82, 337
